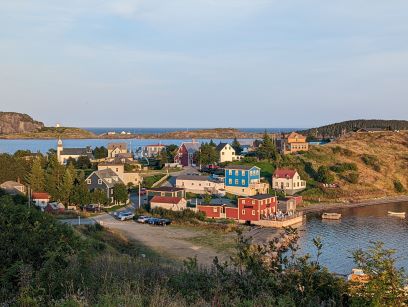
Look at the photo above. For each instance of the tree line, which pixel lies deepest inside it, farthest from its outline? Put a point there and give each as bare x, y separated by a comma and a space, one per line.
335, 130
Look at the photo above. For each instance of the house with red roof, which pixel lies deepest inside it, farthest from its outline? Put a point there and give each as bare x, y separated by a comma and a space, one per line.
41, 199
288, 181
168, 203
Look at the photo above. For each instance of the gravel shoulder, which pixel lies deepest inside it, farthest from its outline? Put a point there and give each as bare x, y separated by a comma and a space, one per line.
174, 242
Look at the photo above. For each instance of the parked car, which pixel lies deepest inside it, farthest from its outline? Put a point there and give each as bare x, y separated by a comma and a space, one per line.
123, 216
164, 222
143, 219
92, 208
159, 222
153, 221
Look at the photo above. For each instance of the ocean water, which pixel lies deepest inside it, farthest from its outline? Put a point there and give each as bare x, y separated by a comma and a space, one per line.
356, 228
11, 146
102, 130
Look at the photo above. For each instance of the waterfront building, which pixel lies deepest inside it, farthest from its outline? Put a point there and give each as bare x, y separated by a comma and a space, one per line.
63, 154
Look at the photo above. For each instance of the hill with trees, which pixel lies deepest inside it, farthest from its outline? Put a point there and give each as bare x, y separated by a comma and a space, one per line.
337, 129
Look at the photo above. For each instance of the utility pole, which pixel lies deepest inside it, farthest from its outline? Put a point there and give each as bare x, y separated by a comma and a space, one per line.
139, 195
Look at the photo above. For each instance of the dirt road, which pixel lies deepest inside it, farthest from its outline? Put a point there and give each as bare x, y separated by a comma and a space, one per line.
169, 241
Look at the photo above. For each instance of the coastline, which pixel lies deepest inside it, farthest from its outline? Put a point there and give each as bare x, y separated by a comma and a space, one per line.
130, 137
320, 207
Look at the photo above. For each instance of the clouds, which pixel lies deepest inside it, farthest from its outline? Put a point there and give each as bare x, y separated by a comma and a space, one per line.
281, 58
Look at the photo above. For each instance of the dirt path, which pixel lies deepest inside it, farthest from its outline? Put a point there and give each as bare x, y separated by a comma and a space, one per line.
169, 241
332, 206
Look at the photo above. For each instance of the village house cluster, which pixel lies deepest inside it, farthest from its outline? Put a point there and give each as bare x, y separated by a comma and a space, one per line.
256, 200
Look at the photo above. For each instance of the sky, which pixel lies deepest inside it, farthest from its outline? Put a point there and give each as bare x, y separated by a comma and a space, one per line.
204, 63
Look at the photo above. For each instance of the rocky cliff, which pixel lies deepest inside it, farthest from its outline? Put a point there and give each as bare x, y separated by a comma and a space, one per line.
11, 122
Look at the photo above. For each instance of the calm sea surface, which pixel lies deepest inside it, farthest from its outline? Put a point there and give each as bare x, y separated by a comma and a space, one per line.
11, 146
356, 229
101, 130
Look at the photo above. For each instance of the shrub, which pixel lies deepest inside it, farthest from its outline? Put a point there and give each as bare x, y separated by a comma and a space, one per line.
398, 187
343, 167
371, 161
352, 177
183, 216
343, 151
324, 175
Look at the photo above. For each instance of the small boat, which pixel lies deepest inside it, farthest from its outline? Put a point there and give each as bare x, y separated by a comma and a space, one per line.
331, 216
400, 214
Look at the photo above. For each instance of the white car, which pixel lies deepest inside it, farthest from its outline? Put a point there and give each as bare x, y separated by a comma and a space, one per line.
143, 219
123, 216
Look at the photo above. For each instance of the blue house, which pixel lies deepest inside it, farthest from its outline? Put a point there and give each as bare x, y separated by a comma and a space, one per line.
242, 176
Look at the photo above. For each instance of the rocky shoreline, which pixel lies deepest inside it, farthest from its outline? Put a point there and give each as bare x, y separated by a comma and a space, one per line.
320, 207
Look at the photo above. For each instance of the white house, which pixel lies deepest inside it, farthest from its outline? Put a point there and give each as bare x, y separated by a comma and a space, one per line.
41, 199
227, 153
288, 180
169, 203
200, 184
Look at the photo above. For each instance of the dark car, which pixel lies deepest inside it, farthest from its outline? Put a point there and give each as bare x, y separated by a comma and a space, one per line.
153, 221
164, 222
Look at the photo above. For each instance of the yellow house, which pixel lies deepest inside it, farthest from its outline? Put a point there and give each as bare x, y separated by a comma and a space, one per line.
115, 149
293, 142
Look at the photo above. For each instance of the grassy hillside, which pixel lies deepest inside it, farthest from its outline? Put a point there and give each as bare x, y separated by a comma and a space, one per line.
380, 159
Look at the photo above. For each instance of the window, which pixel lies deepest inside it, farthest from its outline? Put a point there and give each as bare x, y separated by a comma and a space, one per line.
236, 181
230, 181
253, 202
230, 172
243, 182
222, 153
236, 173
242, 173
88, 181
99, 181
214, 209
243, 211
253, 212
287, 184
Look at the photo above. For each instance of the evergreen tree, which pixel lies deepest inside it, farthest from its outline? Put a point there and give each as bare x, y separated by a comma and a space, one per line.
100, 152
163, 157
237, 146
207, 154
36, 178
212, 143
80, 193
99, 197
120, 193
67, 186
54, 177
267, 148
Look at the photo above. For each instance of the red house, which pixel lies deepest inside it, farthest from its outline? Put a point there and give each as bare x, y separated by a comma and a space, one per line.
256, 207
186, 152
218, 211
